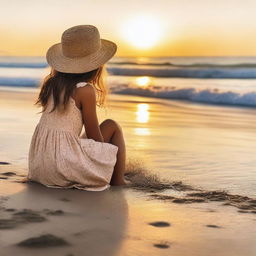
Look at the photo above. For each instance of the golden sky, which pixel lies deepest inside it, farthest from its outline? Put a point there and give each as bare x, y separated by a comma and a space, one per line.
139, 27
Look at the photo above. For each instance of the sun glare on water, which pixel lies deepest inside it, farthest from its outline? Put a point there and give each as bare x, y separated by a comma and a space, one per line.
142, 113
142, 116
142, 31
143, 81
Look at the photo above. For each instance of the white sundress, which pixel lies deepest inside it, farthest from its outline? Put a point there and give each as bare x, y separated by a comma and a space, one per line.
59, 157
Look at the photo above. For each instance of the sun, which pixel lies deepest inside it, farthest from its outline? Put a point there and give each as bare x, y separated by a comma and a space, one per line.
142, 31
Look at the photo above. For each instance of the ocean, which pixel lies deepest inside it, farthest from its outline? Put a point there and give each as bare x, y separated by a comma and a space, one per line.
210, 80
186, 118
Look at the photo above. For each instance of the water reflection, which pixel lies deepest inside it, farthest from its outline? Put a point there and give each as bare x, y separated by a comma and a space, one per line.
142, 131
143, 81
142, 114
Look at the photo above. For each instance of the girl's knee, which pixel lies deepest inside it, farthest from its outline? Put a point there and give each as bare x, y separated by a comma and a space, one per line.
114, 124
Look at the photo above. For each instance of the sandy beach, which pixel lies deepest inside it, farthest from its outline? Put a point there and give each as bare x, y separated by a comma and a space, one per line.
180, 83
157, 215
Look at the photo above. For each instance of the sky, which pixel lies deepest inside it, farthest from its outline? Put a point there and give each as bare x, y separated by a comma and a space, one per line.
141, 28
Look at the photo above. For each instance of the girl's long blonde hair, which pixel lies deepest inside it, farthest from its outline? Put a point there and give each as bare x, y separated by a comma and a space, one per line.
57, 82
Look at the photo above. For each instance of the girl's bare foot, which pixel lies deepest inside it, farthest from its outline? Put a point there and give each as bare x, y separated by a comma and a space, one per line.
121, 183
24, 180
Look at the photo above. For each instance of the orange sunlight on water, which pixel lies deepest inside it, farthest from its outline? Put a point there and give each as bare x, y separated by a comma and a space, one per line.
142, 113
142, 131
142, 116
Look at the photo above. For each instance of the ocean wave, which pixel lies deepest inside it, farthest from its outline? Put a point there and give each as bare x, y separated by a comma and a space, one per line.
44, 64
247, 73
23, 65
210, 96
162, 69
19, 81
192, 65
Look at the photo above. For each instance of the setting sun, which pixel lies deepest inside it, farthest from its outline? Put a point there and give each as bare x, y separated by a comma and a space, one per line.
128, 128
142, 31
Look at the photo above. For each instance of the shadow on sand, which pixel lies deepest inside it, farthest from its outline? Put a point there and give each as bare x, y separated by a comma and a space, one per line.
63, 222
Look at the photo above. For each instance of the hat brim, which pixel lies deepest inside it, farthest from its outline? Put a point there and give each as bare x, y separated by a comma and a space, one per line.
61, 63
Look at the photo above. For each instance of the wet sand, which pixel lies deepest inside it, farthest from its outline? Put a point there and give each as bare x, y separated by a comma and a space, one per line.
119, 221
153, 216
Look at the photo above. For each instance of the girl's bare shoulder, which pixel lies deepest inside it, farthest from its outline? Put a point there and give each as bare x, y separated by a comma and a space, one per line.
85, 91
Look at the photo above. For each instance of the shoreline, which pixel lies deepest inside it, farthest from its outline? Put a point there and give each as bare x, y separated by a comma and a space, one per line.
192, 138
17, 89
158, 214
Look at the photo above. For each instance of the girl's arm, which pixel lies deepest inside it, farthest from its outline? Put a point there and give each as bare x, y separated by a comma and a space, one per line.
87, 97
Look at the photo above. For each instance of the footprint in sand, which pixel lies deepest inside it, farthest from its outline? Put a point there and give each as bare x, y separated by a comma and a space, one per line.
4, 163
22, 217
163, 245
242, 211
160, 224
65, 200
5, 175
54, 212
213, 226
43, 241
10, 210
8, 174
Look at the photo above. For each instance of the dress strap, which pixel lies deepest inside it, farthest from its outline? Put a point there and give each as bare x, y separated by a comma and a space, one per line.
81, 84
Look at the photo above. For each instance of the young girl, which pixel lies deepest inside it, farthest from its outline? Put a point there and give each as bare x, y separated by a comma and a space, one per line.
58, 155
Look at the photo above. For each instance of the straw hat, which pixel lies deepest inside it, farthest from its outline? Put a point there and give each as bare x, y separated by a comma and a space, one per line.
81, 50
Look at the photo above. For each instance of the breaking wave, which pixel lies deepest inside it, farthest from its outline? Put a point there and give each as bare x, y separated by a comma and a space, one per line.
210, 96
